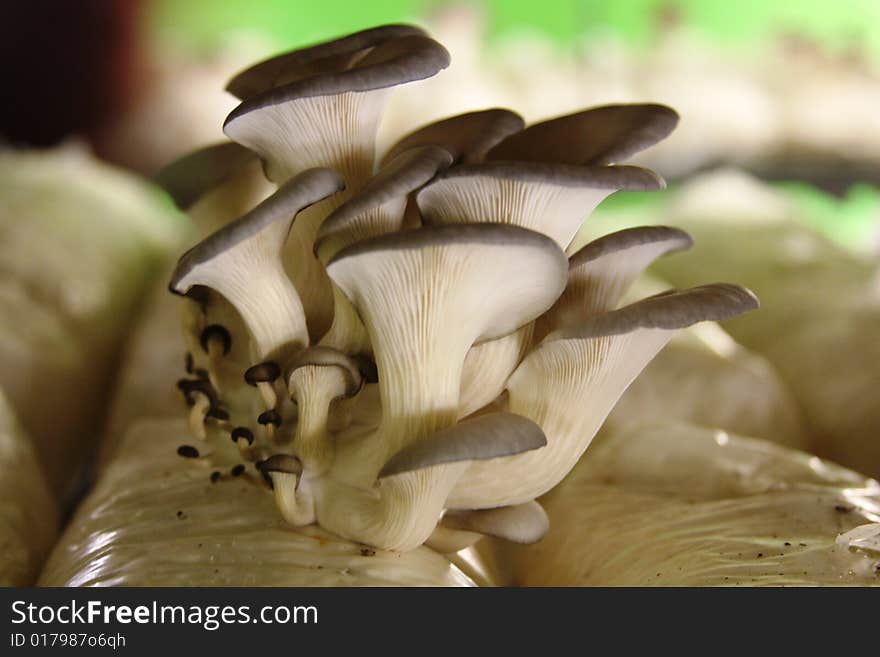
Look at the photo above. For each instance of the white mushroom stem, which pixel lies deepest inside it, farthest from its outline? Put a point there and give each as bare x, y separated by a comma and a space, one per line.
398, 513
347, 333
488, 366
267, 392
570, 383
314, 388
294, 500
197, 415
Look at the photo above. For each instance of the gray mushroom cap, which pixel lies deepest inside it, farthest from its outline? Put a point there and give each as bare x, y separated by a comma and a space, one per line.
283, 463
668, 310
468, 137
600, 135
559, 175
391, 62
326, 57
192, 176
403, 174
301, 191
621, 240
484, 437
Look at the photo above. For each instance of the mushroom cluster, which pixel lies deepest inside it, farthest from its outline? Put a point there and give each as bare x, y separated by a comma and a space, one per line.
400, 348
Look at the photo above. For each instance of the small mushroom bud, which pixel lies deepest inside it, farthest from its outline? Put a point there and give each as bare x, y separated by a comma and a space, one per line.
263, 375
284, 471
244, 438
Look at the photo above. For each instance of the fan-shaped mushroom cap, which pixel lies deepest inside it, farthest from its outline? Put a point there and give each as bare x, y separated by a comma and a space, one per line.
570, 382
600, 135
600, 273
325, 113
553, 199
468, 137
226, 169
379, 207
335, 56
401, 510
426, 296
242, 262
327, 110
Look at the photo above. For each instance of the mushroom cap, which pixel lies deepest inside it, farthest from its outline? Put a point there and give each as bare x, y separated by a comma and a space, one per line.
284, 463
243, 432
262, 373
600, 135
218, 331
397, 178
330, 56
389, 63
600, 273
546, 173
553, 199
494, 252
670, 310
524, 523
468, 137
298, 193
484, 437
321, 356
673, 239
192, 176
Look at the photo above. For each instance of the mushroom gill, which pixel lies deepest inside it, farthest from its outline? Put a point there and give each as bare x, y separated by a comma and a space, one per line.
403, 349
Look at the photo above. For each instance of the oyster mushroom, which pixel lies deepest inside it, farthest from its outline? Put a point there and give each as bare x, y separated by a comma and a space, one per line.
550, 198
570, 382
215, 184
468, 137
377, 209
242, 262
317, 377
284, 472
599, 135
320, 107
426, 296
601, 272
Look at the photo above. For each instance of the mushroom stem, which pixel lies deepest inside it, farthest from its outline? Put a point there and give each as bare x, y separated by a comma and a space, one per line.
267, 392
294, 500
314, 388
197, 415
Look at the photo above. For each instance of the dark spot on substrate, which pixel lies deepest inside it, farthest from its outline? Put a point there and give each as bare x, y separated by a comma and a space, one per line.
181, 514
760, 554
188, 452
787, 544
840, 508
802, 544
237, 471
368, 552
215, 476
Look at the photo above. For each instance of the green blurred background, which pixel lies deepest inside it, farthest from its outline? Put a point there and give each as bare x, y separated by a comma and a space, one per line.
838, 24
